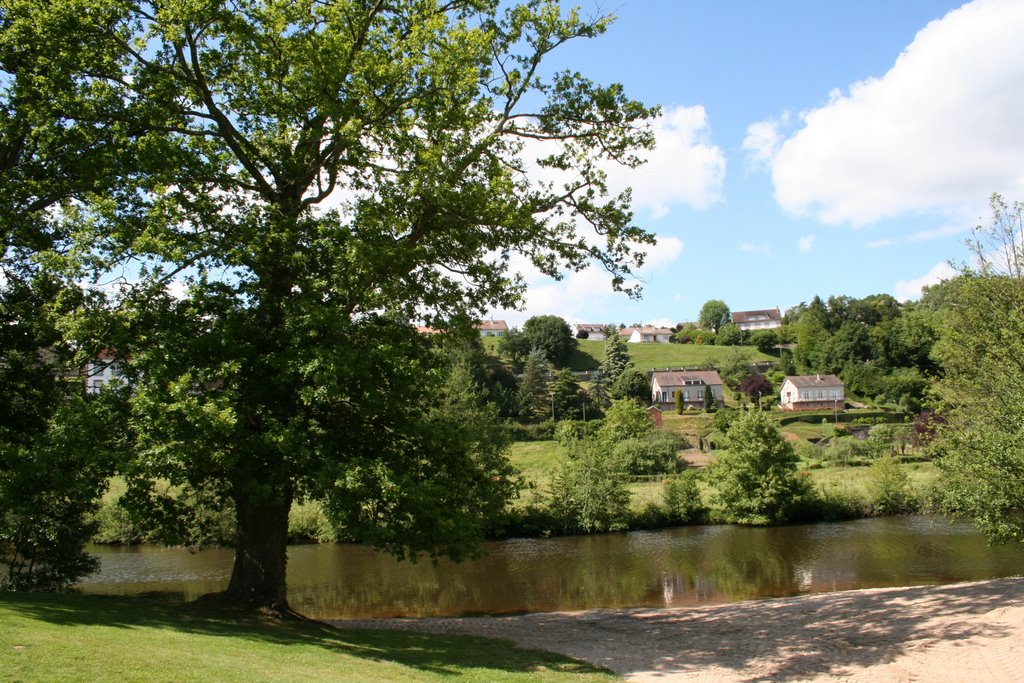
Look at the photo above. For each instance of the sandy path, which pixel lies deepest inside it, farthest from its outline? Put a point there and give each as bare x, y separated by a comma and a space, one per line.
970, 632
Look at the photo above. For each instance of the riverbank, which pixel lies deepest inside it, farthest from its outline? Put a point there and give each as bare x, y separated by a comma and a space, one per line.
959, 632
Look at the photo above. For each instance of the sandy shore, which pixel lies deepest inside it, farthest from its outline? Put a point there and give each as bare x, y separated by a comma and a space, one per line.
970, 632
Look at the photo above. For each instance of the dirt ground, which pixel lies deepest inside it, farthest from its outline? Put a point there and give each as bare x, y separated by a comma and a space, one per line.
970, 632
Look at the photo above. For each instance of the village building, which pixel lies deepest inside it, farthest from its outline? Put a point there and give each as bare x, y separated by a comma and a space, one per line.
590, 331
692, 384
751, 321
492, 328
648, 334
812, 392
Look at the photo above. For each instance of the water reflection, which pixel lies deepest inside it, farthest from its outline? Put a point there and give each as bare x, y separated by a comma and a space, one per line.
676, 567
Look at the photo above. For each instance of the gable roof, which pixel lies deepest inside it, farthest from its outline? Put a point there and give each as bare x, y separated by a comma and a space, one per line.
648, 329
803, 381
756, 316
678, 378
591, 327
493, 326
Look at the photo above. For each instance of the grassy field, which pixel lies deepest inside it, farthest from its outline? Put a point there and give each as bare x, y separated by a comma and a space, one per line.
70, 637
645, 356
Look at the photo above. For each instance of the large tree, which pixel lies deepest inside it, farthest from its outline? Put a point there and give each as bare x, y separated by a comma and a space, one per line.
981, 443
552, 335
306, 176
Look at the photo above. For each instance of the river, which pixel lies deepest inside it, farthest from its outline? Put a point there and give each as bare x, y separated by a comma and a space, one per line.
674, 567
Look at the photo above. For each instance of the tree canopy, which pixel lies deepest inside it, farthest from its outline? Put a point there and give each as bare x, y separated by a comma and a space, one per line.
981, 436
284, 186
714, 314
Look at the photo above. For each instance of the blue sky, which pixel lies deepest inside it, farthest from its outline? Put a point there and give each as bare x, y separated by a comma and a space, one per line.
805, 148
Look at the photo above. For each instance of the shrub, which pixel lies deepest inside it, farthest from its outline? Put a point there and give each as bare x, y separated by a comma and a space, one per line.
307, 522
683, 500
588, 493
755, 479
654, 453
889, 488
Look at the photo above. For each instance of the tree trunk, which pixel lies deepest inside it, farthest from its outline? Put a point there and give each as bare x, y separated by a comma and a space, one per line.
258, 577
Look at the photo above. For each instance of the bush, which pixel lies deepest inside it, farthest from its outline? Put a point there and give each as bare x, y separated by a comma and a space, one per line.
889, 488
683, 500
307, 522
568, 431
588, 493
755, 480
534, 431
655, 453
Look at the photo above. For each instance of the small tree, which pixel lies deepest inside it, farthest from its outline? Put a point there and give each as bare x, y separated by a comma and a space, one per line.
632, 384
567, 404
616, 355
625, 420
709, 400
889, 488
730, 335
682, 498
515, 346
533, 387
755, 479
588, 493
756, 386
680, 403
714, 314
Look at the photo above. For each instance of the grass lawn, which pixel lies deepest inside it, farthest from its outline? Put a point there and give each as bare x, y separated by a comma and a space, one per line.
646, 356
68, 637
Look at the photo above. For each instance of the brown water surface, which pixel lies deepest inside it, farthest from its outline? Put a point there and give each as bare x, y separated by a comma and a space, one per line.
674, 567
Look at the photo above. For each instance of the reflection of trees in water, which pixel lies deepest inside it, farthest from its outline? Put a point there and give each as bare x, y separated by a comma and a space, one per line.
684, 566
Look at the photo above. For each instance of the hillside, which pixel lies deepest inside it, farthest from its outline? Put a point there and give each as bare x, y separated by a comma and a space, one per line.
646, 356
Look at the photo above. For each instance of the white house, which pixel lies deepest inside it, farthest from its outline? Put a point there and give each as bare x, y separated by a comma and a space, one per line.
658, 335
691, 383
594, 332
493, 328
101, 372
757, 320
812, 392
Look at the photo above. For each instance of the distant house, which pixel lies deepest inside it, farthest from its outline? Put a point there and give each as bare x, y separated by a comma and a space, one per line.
594, 332
657, 335
493, 328
626, 332
428, 330
812, 392
665, 384
101, 372
757, 320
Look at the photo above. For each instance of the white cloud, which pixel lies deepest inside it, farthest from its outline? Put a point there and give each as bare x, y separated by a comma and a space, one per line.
940, 131
763, 141
762, 248
911, 289
806, 243
585, 296
684, 168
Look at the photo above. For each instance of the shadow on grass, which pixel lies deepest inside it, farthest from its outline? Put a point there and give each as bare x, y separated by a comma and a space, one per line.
440, 654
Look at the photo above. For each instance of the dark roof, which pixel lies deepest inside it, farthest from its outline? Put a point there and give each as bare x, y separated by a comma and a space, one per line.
800, 381
753, 316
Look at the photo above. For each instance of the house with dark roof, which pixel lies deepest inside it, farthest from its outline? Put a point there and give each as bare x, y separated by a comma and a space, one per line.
751, 321
692, 384
812, 392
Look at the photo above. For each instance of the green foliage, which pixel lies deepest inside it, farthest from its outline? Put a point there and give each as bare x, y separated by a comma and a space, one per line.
616, 356
552, 335
655, 453
632, 384
889, 488
588, 493
724, 419
680, 403
981, 448
765, 341
49, 488
729, 335
287, 371
533, 386
570, 431
735, 367
756, 386
682, 498
568, 400
625, 419
755, 479
714, 314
